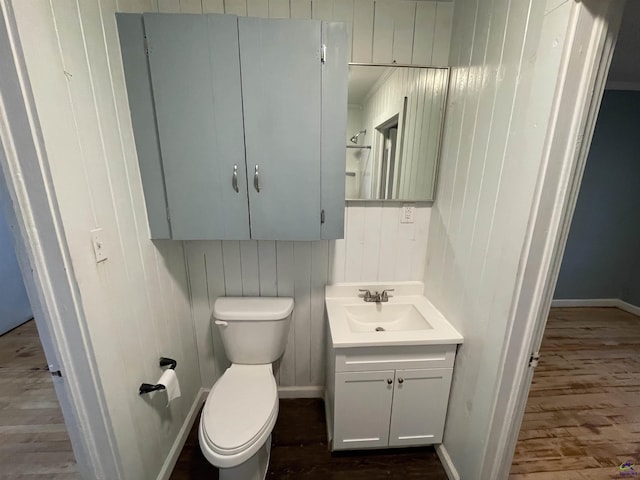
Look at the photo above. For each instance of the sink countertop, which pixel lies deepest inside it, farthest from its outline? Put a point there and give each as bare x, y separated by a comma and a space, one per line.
339, 296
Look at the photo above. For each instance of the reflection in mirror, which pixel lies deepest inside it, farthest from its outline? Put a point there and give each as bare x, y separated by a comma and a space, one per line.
394, 129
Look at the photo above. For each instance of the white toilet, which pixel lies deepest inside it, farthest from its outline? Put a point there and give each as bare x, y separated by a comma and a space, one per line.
242, 407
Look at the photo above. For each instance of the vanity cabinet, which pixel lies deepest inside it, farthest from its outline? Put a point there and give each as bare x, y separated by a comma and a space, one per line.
380, 397
239, 124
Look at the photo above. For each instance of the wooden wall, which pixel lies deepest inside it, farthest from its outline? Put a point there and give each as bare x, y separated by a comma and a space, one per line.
376, 245
505, 57
136, 303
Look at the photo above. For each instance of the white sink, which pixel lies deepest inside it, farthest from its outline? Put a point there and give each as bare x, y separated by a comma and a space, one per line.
408, 318
385, 317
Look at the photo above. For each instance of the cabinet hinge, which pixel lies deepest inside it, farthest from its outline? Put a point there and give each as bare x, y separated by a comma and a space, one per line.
533, 359
146, 46
54, 371
321, 216
323, 53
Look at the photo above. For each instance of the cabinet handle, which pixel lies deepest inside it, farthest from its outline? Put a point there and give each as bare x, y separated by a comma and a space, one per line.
234, 180
256, 180
389, 381
401, 380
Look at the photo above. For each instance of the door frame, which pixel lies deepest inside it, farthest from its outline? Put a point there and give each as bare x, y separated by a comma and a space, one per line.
27, 196
593, 30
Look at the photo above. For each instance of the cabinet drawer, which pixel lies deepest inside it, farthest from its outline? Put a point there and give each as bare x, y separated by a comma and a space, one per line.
362, 359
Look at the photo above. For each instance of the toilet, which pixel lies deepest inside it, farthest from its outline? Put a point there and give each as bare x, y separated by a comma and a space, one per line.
242, 407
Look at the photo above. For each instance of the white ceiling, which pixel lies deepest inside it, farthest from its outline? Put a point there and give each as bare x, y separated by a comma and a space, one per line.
625, 66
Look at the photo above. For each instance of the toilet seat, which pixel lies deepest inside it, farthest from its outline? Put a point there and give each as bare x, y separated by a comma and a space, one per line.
239, 414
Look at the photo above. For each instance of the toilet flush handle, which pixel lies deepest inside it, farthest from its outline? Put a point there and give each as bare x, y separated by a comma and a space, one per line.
221, 323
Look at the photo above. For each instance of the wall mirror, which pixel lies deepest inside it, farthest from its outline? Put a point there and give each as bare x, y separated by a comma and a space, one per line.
394, 131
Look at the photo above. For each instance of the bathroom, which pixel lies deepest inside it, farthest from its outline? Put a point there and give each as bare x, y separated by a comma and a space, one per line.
154, 298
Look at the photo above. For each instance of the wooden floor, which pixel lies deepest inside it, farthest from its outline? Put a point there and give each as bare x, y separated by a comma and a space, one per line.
34, 443
582, 417
299, 452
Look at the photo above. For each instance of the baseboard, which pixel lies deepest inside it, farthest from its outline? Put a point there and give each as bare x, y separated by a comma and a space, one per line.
628, 307
301, 392
176, 448
585, 302
447, 463
597, 302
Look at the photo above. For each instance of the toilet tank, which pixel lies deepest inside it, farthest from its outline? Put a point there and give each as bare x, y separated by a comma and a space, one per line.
254, 330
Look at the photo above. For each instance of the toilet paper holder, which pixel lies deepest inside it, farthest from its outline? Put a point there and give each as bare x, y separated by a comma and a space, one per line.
149, 387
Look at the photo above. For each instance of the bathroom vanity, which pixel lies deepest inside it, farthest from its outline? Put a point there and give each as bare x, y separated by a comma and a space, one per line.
389, 367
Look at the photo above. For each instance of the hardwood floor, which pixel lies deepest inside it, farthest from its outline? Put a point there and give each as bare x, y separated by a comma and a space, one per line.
34, 443
299, 451
582, 417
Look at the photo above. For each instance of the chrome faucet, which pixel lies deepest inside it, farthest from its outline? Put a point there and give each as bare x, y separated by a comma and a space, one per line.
377, 297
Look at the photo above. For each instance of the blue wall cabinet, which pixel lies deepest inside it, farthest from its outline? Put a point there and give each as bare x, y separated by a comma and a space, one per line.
239, 124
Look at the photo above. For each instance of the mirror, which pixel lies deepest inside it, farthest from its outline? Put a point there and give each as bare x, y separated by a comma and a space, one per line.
394, 130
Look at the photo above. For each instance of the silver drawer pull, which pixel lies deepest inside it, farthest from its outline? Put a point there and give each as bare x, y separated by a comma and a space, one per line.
256, 180
234, 180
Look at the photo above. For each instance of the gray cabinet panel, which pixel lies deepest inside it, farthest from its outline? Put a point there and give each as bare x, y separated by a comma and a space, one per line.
281, 88
195, 74
143, 119
334, 124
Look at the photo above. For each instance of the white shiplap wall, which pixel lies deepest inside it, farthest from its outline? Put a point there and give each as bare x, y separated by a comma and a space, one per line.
135, 303
505, 57
376, 245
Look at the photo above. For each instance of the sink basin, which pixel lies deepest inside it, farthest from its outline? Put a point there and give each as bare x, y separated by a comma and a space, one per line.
408, 318
385, 317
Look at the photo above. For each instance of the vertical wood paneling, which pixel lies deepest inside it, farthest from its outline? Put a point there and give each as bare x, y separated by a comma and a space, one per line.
249, 266
267, 269
285, 266
213, 6
376, 245
235, 7
362, 31
190, 6
506, 58
169, 6
300, 8
258, 8
136, 303
423, 37
279, 9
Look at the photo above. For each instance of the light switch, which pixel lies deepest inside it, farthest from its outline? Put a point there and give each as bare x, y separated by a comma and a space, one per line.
407, 213
99, 247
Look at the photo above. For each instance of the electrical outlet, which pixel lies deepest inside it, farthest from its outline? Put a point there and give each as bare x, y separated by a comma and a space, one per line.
99, 246
408, 212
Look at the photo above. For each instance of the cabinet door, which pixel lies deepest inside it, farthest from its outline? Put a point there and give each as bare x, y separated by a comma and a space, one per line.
362, 408
195, 75
281, 77
419, 406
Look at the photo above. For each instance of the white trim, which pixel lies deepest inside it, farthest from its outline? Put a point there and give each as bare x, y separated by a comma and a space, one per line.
447, 463
30, 204
629, 86
301, 392
585, 302
628, 307
183, 434
596, 302
588, 50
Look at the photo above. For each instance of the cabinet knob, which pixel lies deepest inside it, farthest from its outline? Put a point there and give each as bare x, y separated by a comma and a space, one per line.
401, 380
389, 381
234, 179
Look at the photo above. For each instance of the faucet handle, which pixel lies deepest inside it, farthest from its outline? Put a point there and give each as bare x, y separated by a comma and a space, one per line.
384, 293
367, 293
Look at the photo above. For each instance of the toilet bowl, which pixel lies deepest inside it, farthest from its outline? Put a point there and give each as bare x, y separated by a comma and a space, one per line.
242, 407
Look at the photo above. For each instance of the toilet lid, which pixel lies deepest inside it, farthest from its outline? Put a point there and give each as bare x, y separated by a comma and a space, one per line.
239, 407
